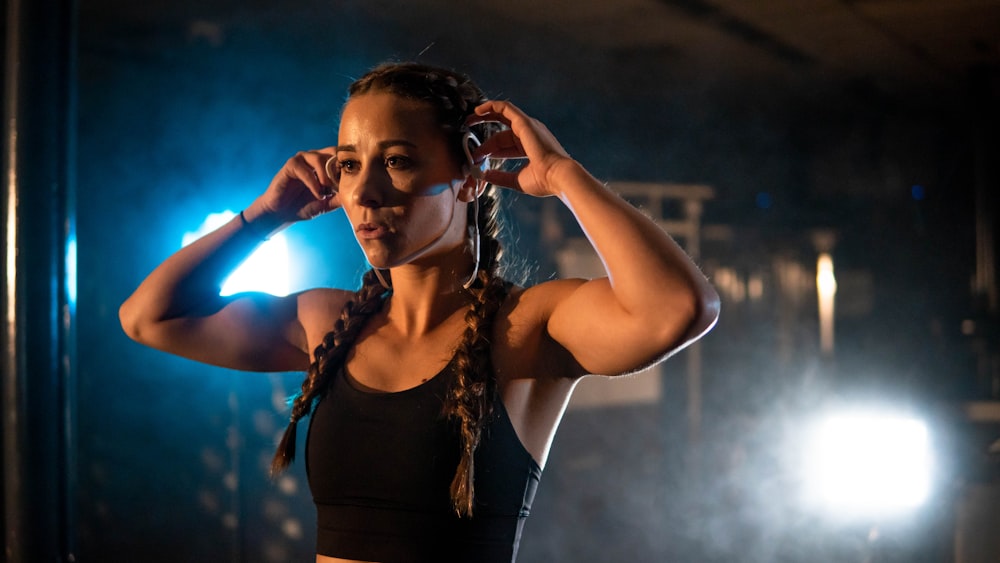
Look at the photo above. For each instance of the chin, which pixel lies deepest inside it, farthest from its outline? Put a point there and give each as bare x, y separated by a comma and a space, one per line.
381, 261
381, 264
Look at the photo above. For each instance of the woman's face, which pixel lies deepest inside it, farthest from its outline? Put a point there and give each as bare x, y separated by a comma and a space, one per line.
399, 182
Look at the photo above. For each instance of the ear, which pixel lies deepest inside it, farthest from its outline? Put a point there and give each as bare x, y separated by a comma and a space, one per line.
470, 189
471, 167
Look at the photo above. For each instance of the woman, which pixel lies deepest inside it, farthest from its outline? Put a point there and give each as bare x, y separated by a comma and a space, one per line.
434, 390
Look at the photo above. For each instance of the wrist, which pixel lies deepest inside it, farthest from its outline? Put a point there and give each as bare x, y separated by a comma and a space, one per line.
260, 225
569, 177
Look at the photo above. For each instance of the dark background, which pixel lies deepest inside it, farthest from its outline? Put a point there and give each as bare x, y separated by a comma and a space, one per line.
871, 121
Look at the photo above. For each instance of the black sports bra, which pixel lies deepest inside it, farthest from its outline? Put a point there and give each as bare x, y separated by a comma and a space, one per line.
380, 466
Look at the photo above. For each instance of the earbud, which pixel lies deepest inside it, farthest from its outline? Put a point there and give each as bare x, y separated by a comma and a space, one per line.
331, 170
331, 166
470, 142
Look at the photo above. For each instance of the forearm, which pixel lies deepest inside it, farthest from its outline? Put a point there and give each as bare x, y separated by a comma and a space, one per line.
650, 275
188, 282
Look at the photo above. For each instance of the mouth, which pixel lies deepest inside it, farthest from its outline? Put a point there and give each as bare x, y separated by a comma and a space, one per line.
371, 230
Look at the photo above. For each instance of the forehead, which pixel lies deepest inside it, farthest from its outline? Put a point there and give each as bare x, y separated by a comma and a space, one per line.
379, 116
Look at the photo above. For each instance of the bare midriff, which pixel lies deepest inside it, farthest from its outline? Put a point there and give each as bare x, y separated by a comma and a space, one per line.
326, 559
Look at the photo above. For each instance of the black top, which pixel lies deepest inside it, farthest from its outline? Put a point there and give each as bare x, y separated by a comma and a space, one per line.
380, 466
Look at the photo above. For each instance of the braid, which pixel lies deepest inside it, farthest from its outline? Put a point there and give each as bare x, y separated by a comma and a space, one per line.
452, 95
329, 357
470, 400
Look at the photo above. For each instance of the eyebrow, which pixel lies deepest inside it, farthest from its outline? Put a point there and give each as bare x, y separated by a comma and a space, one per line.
382, 145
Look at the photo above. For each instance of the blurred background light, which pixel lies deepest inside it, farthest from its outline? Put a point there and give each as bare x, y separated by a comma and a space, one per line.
868, 464
71, 280
826, 287
266, 270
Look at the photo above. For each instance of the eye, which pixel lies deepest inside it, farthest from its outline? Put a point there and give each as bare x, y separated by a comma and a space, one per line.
347, 166
398, 162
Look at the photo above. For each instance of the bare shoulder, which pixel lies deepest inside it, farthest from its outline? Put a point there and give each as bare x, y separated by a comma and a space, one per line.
318, 310
536, 303
523, 344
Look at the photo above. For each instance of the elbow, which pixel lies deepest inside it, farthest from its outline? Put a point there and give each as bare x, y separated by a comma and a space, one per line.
694, 316
707, 307
130, 320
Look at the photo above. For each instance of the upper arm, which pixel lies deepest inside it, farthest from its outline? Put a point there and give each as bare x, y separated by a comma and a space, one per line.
606, 339
248, 331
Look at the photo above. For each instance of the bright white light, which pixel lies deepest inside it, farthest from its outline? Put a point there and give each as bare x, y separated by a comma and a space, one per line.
71, 270
826, 282
826, 288
868, 464
265, 270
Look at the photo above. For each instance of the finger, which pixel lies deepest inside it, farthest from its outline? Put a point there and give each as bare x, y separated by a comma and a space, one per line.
501, 145
304, 168
332, 172
496, 111
531, 135
502, 178
316, 208
328, 174
324, 167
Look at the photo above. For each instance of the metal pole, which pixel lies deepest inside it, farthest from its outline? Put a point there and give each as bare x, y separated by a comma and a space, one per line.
37, 385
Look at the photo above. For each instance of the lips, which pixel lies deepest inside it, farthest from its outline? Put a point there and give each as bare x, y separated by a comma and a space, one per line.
371, 230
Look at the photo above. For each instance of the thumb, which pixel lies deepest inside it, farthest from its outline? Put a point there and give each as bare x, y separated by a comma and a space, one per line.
320, 206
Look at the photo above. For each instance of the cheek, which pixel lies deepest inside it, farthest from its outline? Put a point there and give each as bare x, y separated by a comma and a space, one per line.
427, 219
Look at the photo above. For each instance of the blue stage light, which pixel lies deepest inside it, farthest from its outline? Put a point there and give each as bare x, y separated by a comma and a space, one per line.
266, 270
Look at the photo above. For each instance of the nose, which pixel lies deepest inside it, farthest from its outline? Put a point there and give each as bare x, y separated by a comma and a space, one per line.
371, 186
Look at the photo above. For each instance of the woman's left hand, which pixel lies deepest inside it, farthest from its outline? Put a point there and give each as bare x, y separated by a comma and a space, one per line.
524, 138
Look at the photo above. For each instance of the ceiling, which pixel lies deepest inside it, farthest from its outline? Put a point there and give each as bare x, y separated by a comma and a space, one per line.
927, 44
896, 45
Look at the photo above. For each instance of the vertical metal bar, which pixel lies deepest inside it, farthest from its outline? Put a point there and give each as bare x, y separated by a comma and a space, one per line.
13, 355
67, 272
37, 386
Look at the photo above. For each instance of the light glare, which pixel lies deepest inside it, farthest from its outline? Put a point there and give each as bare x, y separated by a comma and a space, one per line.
265, 270
826, 288
869, 464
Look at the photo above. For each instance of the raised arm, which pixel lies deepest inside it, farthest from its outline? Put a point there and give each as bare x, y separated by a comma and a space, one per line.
654, 299
177, 308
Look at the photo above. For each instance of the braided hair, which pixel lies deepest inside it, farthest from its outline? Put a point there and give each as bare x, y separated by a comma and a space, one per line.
469, 401
329, 356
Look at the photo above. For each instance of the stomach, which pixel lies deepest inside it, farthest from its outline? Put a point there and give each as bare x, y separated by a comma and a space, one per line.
327, 559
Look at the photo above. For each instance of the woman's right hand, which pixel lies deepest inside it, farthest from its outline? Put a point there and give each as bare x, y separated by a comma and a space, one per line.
301, 190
